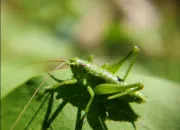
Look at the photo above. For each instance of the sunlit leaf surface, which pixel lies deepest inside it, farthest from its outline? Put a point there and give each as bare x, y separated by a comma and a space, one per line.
62, 109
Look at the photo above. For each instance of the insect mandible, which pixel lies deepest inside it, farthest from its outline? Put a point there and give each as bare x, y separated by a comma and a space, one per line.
99, 81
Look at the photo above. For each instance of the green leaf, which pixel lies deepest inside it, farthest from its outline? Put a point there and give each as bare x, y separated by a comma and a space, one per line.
159, 113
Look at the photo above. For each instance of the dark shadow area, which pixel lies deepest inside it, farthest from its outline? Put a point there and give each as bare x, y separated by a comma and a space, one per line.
37, 112
79, 122
46, 123
49, 119
100, 110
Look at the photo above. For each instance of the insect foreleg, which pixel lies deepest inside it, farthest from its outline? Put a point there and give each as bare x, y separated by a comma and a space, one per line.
130, 88
91, 92
65, 82
56, 79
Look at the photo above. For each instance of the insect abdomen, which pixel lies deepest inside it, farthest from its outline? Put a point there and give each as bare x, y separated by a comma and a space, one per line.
95, 74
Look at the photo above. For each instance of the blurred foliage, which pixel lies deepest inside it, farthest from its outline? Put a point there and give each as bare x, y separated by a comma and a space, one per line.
116, 41
44, 30
64, 20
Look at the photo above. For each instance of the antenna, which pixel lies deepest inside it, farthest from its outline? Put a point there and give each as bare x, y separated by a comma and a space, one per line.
26, 106
40, 62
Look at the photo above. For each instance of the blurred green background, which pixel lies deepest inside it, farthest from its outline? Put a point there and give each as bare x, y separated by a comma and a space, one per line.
43, 30
38, 30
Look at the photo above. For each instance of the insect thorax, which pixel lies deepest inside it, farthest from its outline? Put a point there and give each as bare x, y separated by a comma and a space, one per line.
83, 70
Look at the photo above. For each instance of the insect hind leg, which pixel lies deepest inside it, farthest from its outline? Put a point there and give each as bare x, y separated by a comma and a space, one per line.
130, 88
134, 53
113, 68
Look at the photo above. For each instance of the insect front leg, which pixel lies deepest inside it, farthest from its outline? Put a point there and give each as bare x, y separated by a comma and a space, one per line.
53, 77
65, 82
91, 92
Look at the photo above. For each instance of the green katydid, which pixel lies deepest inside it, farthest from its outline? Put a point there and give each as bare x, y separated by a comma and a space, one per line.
98, 81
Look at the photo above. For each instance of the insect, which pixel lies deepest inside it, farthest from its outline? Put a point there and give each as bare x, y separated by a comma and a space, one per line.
100, 81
